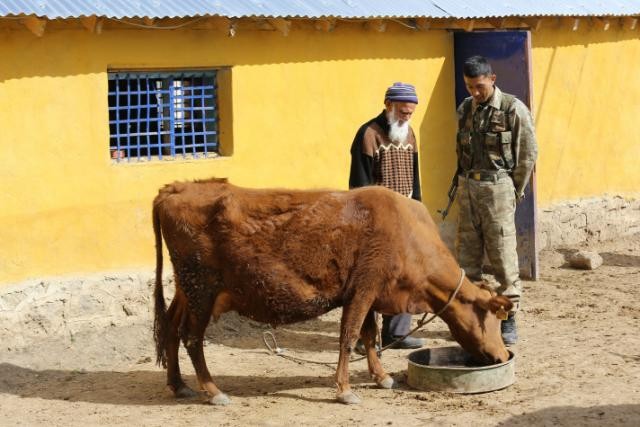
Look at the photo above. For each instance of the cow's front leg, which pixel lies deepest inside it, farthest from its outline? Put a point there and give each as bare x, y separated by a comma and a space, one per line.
353, 315
368, 335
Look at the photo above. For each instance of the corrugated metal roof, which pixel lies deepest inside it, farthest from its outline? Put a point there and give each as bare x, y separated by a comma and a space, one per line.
495, 9
53, 9
229, 8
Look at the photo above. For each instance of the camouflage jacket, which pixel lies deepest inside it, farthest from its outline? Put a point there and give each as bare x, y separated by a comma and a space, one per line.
497, 135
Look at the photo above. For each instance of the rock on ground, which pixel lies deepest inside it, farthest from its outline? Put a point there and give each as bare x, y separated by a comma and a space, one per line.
585, 260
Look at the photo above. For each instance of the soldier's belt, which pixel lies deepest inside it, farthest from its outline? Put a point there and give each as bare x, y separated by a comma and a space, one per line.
485, 175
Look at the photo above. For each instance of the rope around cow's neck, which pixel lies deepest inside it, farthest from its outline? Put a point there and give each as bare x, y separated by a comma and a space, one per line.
281, 352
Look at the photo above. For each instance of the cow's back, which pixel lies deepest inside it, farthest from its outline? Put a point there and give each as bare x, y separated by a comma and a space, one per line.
285, 255
291, 250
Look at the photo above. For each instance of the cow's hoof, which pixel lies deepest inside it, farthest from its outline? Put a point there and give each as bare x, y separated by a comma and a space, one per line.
387, 382
348, 398
219, 399
184, 392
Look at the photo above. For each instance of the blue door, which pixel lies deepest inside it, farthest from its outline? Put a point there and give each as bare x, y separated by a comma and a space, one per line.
509, 55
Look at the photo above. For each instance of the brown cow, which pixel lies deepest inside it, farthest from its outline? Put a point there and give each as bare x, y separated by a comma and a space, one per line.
280, 256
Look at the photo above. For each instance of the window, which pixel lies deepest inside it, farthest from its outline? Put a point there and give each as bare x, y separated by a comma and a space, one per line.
163, 115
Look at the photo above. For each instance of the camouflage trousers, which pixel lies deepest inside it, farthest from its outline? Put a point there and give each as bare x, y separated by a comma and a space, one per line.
487, 223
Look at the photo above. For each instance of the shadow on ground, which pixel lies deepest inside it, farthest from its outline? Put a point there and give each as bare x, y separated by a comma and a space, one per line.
620, 260
607, 415
313, 335
147, 387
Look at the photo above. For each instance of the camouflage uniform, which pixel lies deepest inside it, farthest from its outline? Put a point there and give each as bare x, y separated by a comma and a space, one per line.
496, 150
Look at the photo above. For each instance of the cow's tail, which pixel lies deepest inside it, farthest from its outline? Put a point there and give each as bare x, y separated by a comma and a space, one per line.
160, 321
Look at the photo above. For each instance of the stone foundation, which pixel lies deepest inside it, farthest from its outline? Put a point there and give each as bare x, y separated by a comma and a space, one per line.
65, 306
573, 222
585, 220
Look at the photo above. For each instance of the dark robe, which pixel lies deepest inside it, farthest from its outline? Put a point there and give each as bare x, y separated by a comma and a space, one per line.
368, 138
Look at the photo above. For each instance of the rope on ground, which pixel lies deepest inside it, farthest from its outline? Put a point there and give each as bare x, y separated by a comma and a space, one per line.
277, 351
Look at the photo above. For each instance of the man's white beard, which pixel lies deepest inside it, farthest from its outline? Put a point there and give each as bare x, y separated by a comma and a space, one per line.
398, 132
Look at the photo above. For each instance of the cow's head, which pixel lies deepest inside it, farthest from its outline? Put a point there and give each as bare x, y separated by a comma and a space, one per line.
474, 322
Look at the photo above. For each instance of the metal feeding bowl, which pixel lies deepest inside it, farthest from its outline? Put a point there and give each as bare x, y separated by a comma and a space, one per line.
453, 370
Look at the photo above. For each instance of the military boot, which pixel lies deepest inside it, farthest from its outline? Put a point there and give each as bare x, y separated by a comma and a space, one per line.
509, 330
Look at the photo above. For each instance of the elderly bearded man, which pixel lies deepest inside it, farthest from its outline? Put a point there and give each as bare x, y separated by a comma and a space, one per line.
384, 152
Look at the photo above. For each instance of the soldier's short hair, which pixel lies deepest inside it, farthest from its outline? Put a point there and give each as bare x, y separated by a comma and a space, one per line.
477, 66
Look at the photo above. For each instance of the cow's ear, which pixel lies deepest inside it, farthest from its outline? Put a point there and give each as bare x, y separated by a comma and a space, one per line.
500, 303
496, 304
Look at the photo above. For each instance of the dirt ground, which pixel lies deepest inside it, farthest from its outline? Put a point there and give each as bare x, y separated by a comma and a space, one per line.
577, 363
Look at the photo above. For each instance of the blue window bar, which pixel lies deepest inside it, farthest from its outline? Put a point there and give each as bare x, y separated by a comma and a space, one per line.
162, 115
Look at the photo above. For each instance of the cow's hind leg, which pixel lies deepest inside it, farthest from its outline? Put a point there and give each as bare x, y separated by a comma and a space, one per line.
193, 342
368, 334
175, 313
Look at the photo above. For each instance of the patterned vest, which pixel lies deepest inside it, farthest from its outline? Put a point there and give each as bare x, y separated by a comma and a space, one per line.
393, 167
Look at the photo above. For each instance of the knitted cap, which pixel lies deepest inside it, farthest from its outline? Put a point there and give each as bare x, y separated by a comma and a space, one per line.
401, 92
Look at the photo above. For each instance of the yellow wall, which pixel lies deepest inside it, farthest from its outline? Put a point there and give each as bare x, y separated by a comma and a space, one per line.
587, 108
297, 102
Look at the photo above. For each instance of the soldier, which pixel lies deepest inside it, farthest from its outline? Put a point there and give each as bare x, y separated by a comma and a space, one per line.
496, 150
384, 152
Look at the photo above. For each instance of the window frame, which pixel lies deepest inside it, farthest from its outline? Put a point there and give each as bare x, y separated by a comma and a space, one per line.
165, 118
